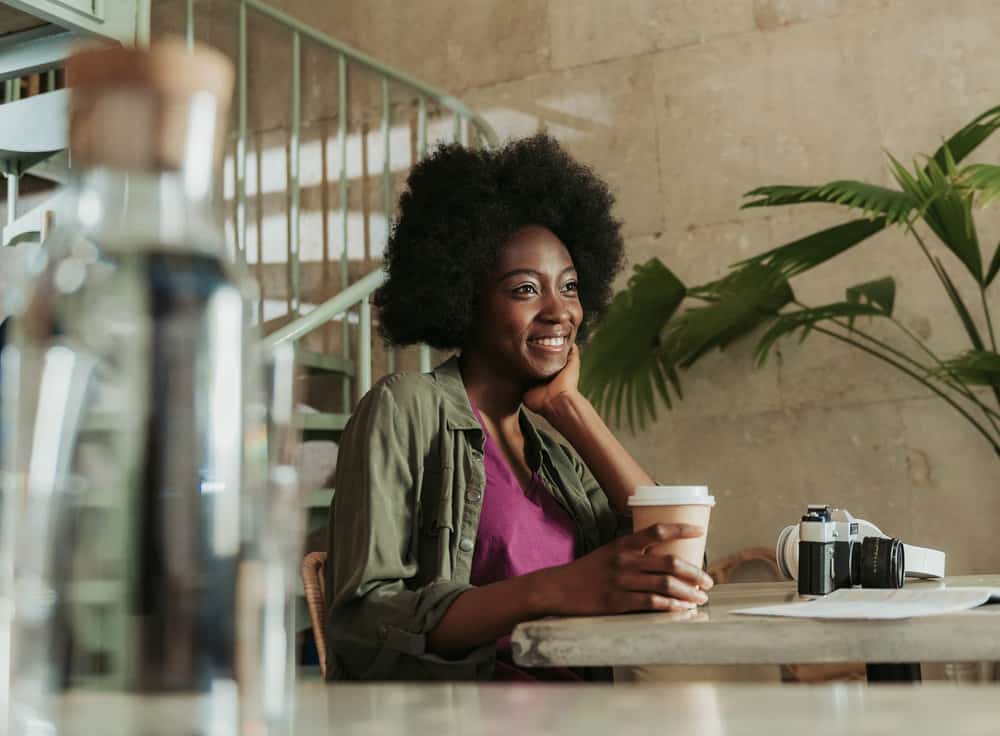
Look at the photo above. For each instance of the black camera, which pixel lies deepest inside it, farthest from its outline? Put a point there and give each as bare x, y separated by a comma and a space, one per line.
832, 555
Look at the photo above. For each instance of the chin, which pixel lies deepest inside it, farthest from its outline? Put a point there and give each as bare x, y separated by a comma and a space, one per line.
539, 372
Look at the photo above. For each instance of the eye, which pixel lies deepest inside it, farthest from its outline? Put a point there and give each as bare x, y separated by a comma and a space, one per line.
525, 289
571, 286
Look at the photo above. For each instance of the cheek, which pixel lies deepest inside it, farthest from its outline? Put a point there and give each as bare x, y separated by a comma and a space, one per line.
517, 331
516, 320
506, 328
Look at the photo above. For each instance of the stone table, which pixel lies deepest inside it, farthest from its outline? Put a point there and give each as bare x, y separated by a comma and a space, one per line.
713, 635
704, 709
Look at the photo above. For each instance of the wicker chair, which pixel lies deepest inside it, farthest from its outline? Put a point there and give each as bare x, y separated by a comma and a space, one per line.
721, 570
313, 576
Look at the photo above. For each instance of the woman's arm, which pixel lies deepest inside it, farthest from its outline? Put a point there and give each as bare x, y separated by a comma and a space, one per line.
615, 578
575, 418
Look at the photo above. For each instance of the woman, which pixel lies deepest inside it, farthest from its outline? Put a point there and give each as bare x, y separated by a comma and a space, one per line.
455, 518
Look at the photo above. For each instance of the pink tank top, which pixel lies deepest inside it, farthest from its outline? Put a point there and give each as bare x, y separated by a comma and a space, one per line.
521, 530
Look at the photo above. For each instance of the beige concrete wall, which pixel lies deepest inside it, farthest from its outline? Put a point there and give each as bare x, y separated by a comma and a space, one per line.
683, 105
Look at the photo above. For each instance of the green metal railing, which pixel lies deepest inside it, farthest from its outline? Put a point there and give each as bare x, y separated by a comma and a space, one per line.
466, 123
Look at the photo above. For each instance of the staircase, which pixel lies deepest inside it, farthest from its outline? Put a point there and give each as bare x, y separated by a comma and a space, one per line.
345, 315
402, 102
37, 36
330, 325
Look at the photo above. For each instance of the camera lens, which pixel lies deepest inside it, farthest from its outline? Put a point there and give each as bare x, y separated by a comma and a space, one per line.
881, 563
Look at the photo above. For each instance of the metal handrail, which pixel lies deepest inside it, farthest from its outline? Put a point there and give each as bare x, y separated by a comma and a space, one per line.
351, 295
335, 305
442, 97
358, 293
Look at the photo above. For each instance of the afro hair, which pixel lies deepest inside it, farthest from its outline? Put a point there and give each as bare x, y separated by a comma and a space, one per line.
461, 206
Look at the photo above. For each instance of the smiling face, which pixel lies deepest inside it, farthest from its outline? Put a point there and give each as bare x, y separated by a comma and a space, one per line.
530, 310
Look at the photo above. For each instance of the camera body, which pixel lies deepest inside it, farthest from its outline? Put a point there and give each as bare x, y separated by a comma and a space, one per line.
834, 551
823, 563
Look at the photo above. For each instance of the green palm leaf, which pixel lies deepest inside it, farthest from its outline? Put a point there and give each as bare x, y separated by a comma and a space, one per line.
873, 200
736, 305
804, 320
967, 140
975, 367
808, 252
896, 205
950, 219
622, 363
967, 322
994, 267
946, 207
778, 195
948, 212
985, 180
963, 312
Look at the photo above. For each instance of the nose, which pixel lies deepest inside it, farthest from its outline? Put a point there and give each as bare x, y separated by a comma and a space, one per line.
555, 307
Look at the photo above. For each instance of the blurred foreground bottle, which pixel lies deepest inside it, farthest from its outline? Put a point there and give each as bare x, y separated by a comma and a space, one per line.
152, 551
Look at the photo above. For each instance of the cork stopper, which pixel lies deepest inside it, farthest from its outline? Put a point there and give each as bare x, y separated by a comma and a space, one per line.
148, 109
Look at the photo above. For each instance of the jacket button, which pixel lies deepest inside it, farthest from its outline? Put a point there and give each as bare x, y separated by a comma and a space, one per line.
474, 496
466, 545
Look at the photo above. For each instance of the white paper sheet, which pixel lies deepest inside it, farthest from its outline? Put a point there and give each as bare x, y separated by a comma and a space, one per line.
867, 603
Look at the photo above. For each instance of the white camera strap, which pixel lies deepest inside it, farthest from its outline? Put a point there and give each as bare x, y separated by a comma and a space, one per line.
920, 562
923, 562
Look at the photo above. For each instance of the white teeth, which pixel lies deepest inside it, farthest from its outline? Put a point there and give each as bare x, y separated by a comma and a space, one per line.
552, 342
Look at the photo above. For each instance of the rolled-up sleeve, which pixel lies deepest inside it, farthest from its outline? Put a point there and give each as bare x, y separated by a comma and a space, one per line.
377, 617
610, 524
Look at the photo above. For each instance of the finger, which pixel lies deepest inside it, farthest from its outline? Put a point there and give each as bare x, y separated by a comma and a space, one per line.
651, 602
668, 565
573, 364
661, 533
665, 585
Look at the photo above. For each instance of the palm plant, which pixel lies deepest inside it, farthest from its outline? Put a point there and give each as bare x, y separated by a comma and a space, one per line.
657, 325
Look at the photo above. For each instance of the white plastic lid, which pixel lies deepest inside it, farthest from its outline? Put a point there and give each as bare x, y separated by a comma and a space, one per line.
671, 496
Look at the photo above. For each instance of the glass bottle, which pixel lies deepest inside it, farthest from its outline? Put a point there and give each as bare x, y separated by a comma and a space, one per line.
145, 570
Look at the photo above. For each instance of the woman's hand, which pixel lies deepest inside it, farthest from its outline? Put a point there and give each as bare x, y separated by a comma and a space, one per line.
621, 577
616, 578
564, 382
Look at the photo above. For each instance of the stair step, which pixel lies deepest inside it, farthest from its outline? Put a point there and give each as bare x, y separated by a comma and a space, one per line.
36, 50
16, 21
55, 168
33, 126
275, 323
318, 499
123, 21
322, 422
324, 362
28, 227
312, 422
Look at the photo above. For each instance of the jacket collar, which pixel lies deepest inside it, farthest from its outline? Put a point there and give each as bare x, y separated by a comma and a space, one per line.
459, 410
532, 441
461, 416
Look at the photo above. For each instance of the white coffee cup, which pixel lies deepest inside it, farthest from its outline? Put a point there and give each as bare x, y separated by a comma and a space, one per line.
674, 505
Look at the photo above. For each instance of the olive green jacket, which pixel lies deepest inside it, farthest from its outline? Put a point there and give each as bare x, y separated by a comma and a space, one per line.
403, 523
